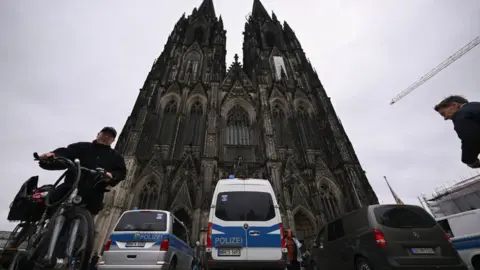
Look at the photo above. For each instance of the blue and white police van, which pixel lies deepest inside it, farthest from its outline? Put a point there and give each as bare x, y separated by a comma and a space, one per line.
148, 239
245, 227
464, 232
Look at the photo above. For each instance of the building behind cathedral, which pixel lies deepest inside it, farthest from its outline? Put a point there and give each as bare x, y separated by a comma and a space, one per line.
195, 121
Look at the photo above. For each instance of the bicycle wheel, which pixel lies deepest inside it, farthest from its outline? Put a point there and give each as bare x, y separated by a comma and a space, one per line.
25, 230
83, 243
19, 235
84, 240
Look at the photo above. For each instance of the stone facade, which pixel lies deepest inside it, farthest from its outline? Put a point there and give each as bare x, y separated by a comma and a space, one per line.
195, 122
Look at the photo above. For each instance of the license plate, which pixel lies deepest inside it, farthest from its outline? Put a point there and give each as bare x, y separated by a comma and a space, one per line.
135, 244
229, 252
422, 251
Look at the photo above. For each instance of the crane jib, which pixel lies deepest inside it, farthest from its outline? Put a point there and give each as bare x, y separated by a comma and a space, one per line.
472, 44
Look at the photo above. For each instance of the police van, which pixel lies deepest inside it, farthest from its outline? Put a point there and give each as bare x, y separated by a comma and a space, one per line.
148, 239
245, 227
464, 231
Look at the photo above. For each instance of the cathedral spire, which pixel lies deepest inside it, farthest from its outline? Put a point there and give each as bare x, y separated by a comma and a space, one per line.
259, 11
287, 27
220, 22
207, 9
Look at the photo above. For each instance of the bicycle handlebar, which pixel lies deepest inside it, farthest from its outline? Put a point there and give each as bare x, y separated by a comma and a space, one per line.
71, 166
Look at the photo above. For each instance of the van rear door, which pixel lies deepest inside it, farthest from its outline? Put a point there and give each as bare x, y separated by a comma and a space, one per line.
262, 224
413, 237
137, 238
228, 233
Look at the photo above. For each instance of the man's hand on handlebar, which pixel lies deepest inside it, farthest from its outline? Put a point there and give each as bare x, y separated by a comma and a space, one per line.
106, 175
46, 155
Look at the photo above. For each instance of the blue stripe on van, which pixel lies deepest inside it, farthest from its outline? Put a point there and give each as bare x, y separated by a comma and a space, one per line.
151, 237
130, 236
469, 242
236, 235
233, 235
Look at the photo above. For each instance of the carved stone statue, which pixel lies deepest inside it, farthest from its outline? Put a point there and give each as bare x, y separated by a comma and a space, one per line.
240, 168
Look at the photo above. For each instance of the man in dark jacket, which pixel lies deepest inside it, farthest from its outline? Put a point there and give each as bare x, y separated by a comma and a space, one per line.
92, 155
466, 122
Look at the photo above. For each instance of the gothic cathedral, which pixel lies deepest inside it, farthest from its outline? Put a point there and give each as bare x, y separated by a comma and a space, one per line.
195, 121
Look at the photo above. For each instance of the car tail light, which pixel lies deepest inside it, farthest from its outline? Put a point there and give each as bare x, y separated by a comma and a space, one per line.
107, 245
282, 237
379, 238
164, 245
448, 238
209, 235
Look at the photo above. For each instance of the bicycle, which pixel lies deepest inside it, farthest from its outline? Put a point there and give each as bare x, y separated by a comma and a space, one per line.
47, 248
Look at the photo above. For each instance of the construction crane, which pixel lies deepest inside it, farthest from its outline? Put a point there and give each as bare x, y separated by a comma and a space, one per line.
472, 44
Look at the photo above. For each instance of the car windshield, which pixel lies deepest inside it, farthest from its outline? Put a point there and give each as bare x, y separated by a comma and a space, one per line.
244, 206
142, 221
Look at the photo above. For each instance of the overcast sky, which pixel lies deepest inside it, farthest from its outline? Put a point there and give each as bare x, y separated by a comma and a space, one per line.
68, 68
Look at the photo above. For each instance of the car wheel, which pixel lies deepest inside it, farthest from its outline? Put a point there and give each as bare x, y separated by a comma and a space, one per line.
363, 264
173, 264
476, 263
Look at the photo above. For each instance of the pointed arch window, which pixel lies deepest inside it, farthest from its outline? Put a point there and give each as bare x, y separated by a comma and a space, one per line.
196, 125
302, 115
307, 124
192, 66
198, 34
169, 121
149, 195
238, 127
329, 202
280, 69
141, 117
270, 39
280, 126
144, 144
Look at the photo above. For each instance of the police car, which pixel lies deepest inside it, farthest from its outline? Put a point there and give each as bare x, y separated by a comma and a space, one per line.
245, 227
148, 239
464, 231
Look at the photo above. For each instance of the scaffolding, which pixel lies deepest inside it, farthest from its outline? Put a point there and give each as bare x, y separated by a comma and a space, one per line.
445, 191
457, 195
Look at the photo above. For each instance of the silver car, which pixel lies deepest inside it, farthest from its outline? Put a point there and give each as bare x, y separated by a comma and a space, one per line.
148, 239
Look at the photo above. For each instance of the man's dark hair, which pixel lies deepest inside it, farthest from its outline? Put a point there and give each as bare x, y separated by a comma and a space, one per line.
449, 100
109, 130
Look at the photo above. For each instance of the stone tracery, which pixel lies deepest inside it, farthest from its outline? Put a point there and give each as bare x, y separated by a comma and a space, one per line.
148, 196
238, 127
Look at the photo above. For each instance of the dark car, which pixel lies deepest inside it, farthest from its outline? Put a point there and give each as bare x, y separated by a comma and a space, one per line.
385, 237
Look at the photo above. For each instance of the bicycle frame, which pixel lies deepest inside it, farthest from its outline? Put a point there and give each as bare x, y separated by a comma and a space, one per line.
60, 222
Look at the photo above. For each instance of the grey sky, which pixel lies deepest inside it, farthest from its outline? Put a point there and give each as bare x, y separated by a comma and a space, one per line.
67, 68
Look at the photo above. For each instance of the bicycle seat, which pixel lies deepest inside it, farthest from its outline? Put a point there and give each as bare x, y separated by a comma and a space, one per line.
45, 188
